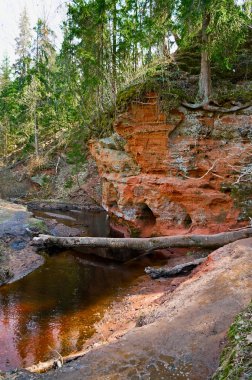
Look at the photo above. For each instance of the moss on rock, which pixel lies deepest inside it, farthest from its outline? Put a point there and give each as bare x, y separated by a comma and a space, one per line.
236, 359
37, 226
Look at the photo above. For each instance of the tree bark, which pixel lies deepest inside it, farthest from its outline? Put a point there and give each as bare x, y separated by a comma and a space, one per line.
175, 271
145, 244
205, 69
114, 46
36, 143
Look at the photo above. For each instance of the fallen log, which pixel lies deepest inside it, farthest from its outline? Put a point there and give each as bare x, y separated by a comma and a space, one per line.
145, 244
174, 271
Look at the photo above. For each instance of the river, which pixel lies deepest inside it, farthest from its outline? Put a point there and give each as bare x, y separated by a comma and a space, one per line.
55, 307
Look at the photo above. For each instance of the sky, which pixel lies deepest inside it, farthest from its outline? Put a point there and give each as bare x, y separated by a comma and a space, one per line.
53, 11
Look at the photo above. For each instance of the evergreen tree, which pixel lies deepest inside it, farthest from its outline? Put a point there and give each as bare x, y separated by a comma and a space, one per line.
43, 48
30, 98
221, 25
5, 72
23, 45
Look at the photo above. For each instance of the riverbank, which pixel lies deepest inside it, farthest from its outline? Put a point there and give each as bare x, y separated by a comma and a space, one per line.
183, 321
181, 333
171, 328
20, 223
17, 256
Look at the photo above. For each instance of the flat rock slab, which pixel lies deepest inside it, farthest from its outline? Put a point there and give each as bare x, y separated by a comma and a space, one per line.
17, 257
52, 205
13, 219
188, 334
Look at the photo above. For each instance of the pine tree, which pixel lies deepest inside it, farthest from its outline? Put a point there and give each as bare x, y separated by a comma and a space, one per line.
23, 45
38, 91
43, 48
30, 98
222, 26
5, 72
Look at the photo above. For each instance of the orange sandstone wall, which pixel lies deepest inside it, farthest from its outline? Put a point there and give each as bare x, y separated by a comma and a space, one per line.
171, 175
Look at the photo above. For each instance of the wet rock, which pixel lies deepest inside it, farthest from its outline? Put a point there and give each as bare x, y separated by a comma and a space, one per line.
52, 205
17, 257
13, 219
18, 245
18, 375
63, 230
37, 226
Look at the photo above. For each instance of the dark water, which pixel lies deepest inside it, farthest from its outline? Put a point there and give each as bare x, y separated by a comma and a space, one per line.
55, 307
91, 223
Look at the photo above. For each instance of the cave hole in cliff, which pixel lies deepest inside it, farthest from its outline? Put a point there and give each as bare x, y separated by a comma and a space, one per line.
187, 221
147, 215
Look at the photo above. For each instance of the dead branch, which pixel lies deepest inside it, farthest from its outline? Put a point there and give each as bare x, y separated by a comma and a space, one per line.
208, 171
174, 271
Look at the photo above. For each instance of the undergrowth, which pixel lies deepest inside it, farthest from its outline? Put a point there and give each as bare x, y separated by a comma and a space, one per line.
236, 359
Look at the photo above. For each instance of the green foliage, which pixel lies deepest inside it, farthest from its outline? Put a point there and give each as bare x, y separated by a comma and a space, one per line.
227, 27
113, 52
38, 226
219, 27
69, 183
236, 361
241, 193
23, 46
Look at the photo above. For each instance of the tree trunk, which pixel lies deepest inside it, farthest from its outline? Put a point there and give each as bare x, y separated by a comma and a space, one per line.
205, 69
145, 244
114, 52
36, 134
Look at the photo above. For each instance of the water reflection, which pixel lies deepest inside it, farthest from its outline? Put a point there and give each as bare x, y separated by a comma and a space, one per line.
96, 223
55, 307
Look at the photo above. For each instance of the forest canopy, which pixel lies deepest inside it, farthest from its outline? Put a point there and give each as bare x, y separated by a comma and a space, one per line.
107, 45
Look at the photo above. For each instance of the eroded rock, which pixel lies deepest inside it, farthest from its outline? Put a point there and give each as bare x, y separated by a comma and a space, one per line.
177, 173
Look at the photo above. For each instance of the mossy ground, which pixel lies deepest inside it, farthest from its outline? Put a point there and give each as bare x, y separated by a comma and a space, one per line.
5, 272
173, 85
236, 359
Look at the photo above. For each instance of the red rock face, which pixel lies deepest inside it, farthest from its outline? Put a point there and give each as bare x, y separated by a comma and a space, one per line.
169, 175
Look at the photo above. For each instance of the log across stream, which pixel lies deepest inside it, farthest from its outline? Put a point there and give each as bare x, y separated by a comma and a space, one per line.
56, 306
146, 244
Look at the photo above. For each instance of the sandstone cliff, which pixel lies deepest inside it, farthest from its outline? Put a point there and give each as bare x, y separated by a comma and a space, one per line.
166, 174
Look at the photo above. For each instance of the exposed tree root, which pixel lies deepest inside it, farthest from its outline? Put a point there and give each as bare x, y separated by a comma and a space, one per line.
210, 108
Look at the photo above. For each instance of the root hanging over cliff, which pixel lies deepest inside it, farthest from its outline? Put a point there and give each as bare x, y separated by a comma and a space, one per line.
145, 244
211, 108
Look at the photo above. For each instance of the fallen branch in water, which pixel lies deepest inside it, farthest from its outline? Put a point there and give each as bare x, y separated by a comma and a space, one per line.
145, 244
53, 363
174, 271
